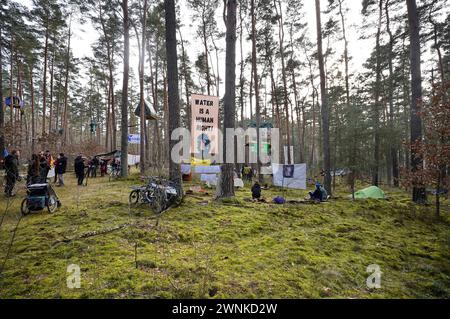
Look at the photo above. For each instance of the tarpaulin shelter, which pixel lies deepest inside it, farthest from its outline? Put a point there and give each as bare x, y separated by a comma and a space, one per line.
370, 192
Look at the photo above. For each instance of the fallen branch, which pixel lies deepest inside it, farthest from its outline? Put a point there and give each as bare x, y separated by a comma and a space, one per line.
94, 233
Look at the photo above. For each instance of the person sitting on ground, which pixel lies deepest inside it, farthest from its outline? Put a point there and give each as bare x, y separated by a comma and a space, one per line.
79, 169
33, 174
319, 194
256, 191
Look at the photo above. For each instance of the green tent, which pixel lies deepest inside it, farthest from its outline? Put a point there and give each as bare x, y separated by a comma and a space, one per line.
370, 192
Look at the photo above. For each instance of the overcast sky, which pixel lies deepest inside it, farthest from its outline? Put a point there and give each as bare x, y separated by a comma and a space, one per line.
85, 35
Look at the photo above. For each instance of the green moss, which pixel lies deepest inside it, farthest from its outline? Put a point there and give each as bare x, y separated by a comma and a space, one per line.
231, 248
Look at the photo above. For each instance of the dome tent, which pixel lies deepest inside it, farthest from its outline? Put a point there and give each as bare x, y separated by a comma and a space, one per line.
370, 192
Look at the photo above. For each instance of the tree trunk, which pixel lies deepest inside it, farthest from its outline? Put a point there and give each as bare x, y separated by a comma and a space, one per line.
126, 70
66, 87
225, 185
50, 119
33, 128
44, 82
283, 73
419, 195
173, 95
141, 87
393, 148
376, 116
324, 109
241, 76
2, 112
256, 84
205, 46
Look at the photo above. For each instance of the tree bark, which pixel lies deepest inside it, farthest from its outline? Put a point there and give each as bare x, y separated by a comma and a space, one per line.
141, 92
376, 116
33, 128
44, 82
225, 185
393, 149
283, 73
173, 94
66, 87
126, 71
324, 109
2, 112
419, 195
256, 84
50, 120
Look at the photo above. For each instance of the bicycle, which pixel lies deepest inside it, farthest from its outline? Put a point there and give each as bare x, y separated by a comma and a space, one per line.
159, 194
115, 173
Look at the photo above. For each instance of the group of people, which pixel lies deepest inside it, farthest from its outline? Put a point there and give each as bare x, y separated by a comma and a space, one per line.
38, 168
88, 167
41, 164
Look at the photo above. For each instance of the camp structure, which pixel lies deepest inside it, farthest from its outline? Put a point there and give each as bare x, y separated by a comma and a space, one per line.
150, 113
370, 192
132, 159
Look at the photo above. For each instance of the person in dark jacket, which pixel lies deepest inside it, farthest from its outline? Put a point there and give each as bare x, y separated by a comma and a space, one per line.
95, 163
79, 169
319, 194
12, 172
44, 168
256, 191
60, 168
33, 174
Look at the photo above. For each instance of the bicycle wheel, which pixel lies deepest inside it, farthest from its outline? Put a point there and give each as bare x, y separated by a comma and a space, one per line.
134, 197
24, 207
52, 204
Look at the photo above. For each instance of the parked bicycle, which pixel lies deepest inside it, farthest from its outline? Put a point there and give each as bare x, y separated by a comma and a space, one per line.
114, 173
159, 194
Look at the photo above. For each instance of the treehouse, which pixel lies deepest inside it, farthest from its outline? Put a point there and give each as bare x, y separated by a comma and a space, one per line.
150, 113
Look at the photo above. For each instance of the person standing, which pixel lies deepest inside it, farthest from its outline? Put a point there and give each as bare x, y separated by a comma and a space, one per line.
79, 169
33, 175
95, 163
12, 172
44, 168
60, 168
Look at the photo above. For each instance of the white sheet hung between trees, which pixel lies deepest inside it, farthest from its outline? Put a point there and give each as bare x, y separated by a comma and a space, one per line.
297, 181
133, 159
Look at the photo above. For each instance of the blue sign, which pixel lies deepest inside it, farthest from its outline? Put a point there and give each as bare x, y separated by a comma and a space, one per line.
134, 138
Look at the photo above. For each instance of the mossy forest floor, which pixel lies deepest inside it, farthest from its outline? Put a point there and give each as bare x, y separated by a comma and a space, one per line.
234, 249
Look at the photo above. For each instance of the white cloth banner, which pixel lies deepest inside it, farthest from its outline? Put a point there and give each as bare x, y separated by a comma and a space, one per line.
238, 182
266, 170
133, 159
212, 180
298, 180
51, 173
185, 169
213, 169
209, 178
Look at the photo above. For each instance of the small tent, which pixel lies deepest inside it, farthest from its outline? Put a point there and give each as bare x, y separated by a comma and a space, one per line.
370, 192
